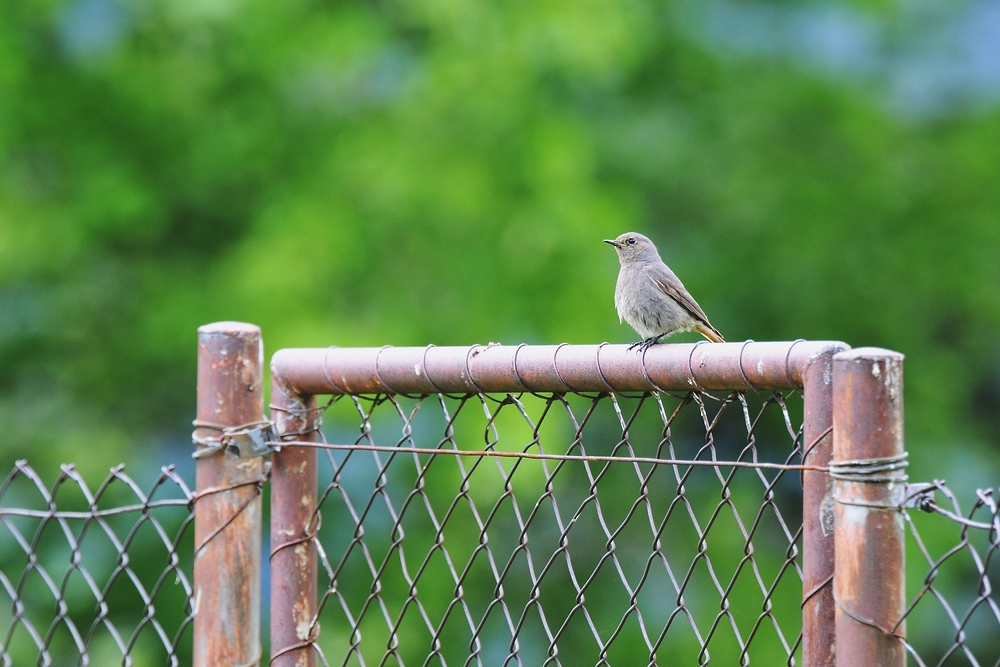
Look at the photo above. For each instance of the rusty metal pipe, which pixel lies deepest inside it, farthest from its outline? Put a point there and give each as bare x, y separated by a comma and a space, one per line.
818, 616
228, 508
293, 523
545, 368
868, 489
299, 374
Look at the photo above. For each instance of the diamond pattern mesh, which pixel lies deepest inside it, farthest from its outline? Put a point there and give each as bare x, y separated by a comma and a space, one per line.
502, 530
453, 560
953, 617
94, 576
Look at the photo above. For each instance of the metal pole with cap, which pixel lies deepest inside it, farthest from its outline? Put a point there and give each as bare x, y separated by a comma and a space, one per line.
869, 487
228, 499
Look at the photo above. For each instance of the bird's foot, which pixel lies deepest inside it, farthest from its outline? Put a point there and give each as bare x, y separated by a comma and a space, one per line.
644, 345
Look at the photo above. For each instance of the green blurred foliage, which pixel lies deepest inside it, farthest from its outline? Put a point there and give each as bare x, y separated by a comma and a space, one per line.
423, 171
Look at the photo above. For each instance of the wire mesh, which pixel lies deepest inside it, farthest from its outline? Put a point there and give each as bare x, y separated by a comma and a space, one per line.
502, 529
653, 535
94, 576
953, 615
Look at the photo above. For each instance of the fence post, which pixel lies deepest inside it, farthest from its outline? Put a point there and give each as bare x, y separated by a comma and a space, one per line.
818, 622
869, 487
228, 509
293, 521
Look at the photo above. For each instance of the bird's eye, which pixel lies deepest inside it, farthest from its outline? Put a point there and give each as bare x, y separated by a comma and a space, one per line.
630, 241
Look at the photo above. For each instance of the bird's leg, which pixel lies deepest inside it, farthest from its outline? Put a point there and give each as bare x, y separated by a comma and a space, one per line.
644, 345
649, 342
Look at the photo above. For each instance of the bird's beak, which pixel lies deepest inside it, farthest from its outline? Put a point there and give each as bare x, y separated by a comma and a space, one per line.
612, 242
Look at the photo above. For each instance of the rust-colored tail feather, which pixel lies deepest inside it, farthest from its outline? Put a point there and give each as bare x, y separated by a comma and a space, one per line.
709, 332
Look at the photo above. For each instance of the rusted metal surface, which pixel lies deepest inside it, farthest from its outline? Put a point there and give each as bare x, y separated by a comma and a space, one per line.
293, 523
547, 368
869, 528
818, 636
301, 373
377, 576
228, 508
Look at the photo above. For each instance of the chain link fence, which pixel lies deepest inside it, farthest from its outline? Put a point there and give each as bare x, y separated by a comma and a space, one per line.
953, 611
95, 575
614, 527
561, 530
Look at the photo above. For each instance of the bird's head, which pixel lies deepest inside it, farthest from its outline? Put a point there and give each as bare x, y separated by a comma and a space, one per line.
632, 246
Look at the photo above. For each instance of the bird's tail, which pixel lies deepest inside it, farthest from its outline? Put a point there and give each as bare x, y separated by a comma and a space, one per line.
709, 332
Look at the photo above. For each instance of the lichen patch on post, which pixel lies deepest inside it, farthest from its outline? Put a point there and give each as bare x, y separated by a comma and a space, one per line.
303, 621
302, 555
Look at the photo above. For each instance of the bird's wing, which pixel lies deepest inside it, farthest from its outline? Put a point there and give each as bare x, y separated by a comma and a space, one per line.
675, 290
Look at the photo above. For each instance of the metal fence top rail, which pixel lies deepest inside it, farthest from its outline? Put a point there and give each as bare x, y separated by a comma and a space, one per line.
562, 368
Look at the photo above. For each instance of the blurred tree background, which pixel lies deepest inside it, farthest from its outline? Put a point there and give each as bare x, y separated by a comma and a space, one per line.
414, 171
443, 171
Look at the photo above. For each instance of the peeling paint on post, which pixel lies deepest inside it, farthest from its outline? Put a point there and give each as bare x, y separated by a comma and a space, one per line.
869, 486
818, 615
293, 520
228, 523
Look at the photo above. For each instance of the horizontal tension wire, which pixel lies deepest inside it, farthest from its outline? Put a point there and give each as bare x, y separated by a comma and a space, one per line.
547, 457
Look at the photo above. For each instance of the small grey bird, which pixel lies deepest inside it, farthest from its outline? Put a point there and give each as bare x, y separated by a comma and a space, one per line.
651, 298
